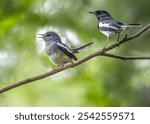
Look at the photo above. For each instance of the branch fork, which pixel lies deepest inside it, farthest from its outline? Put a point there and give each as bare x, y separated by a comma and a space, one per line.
82, 60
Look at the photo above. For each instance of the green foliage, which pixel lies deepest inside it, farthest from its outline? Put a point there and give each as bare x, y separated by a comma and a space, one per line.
98, 82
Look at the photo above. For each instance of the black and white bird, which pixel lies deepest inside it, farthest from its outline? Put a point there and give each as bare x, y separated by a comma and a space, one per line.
58, 52
110, 26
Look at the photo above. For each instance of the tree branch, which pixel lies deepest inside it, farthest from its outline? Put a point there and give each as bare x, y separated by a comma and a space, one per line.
126, 57
82, 60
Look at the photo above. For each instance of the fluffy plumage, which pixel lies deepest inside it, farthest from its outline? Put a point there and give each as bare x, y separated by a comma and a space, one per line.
58, 52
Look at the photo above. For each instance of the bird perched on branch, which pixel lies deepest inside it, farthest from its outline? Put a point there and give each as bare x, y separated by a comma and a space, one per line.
57, 51
110, 26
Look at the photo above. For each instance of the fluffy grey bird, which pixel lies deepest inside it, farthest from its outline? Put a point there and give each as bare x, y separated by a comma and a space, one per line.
58, 52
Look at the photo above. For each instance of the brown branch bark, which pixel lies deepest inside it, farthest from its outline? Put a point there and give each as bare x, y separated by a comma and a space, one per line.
80, 61
126, 57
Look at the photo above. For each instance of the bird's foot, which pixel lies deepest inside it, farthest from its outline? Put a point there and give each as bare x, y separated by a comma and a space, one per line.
104, 49
118, 44
71, 62
59, 66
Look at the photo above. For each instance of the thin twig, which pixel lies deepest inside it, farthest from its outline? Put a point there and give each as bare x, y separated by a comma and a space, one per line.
80, 61
126, 57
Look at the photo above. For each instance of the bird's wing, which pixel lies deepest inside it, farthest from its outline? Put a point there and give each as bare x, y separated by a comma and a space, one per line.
111, 24
116, 24
65, 49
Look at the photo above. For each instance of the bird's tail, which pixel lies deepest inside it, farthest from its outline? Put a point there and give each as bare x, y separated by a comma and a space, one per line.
124, 27
82, 47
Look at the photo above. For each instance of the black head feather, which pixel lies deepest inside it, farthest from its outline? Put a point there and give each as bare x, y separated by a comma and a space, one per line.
101, 15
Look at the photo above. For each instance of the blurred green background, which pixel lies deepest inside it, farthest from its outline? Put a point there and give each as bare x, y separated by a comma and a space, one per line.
99, 82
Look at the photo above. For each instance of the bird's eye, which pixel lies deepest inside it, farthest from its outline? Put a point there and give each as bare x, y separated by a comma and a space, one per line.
47, 34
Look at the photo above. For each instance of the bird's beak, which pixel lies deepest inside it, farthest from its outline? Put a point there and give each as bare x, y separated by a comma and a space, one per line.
41, 36
92, 13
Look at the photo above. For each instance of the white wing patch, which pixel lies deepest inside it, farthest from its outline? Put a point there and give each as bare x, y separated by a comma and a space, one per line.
65, 47
106, 25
